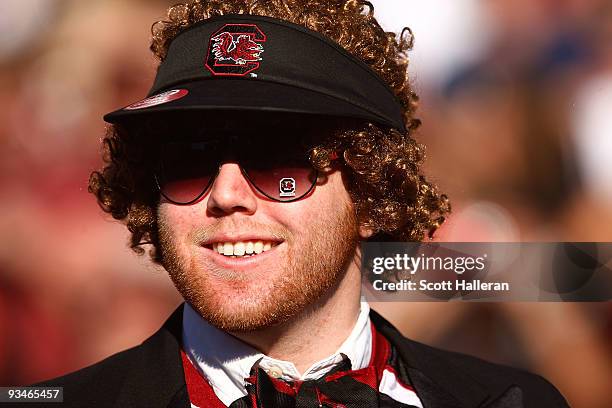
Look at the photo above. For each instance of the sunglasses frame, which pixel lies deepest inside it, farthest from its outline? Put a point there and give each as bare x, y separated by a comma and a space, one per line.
249, 180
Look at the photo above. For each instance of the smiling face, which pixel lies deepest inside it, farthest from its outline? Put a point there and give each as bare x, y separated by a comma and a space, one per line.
245, 262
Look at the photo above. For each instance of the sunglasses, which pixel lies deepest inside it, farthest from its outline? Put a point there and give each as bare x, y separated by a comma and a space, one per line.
278, 168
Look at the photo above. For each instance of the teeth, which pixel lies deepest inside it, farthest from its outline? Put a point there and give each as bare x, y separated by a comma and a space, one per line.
250, 248
241, 249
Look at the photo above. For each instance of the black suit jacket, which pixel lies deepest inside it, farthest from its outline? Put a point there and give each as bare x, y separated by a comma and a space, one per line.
151, 376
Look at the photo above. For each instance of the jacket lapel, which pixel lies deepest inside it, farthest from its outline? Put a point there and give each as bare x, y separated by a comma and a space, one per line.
438, 383
156, 377
512, 398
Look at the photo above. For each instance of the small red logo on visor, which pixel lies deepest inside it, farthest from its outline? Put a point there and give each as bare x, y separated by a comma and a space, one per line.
235, 50
160, 99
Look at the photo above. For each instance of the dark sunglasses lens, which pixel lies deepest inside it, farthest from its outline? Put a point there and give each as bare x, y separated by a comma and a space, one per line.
281, 172
283, 183
186, 171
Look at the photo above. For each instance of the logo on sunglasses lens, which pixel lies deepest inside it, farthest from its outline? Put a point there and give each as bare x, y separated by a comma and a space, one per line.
287, 187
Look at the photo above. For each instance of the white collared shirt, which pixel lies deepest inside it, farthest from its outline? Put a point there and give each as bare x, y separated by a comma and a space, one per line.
226, 361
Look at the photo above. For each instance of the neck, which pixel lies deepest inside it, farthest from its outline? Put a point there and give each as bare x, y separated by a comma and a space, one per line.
318, 331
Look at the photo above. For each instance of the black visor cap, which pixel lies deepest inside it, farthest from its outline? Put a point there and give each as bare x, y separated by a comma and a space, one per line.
283, 68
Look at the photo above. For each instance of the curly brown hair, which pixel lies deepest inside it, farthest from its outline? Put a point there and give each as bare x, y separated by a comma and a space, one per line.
382, 166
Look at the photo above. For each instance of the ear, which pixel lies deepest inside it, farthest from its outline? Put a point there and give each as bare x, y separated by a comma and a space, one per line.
365, 232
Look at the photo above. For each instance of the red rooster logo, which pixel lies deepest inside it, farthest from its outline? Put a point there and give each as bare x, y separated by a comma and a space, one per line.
240, 51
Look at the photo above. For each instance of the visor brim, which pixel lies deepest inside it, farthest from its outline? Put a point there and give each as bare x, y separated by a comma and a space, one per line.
250, 95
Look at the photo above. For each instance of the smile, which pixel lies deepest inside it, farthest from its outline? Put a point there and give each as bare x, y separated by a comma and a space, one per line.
242, 249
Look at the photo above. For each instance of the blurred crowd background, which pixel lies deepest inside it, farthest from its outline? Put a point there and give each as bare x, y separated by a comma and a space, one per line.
516, 101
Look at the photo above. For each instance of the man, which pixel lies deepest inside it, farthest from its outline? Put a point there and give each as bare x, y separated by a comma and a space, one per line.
276, 137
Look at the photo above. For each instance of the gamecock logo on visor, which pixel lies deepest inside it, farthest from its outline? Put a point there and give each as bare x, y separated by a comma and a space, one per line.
235, 50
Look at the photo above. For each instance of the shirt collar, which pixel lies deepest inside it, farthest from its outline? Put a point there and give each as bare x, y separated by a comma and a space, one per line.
226, 361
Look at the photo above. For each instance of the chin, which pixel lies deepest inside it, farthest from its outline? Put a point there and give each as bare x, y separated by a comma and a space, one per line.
242, 315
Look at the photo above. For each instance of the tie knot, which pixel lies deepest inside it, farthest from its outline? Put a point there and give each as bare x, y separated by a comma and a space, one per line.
340, 387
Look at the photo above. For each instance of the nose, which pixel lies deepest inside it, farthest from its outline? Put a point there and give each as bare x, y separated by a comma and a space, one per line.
231, 192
